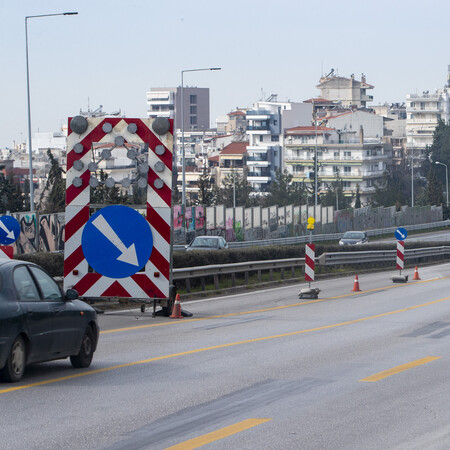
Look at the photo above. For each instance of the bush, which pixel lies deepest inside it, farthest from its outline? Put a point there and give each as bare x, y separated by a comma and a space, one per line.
53, 263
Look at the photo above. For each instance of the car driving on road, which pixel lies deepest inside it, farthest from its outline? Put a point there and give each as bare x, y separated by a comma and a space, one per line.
208, 243
353, 238
38, 322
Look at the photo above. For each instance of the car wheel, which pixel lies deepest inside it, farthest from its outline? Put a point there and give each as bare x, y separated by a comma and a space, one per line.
16, 362
84, 357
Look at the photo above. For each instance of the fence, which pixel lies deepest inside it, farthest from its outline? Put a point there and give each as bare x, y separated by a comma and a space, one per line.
45, 232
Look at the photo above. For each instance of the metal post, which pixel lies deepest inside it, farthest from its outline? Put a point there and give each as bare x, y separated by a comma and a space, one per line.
183, 156
412, 176
30, 147
315, 168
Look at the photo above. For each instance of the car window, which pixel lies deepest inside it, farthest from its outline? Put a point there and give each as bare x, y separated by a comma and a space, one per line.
24, 283
47, 285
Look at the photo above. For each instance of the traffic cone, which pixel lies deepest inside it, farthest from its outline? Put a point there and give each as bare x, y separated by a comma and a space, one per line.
416, 274
176, 312
356, 285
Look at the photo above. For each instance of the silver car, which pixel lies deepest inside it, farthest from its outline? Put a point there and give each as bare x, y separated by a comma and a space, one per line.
207, 243
354, 238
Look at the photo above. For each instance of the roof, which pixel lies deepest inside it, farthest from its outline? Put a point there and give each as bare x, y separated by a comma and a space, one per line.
214, 158
236, 113
318, 100
235, 148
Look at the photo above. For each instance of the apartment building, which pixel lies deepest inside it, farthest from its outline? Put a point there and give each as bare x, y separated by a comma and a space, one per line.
346, 91
232, 161
266, 121
349, 145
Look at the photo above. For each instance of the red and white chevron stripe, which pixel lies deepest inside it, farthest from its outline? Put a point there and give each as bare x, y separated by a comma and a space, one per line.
400, 255
6, 251
154, 281
309, 262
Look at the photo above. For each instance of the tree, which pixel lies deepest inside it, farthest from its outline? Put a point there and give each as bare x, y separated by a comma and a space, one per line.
54, 188
335, 194
283, 191
234, 186
206, 195
395, 187
358, 197
431, 194
11, 197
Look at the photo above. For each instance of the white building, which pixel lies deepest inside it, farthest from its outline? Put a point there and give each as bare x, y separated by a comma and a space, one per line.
350, 145
266, 122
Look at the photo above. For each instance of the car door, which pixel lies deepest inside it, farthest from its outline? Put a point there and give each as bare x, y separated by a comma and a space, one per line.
38, 317
67, 320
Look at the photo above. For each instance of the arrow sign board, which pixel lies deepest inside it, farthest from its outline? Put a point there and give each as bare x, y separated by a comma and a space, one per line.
400, 234
9, 230
117, 241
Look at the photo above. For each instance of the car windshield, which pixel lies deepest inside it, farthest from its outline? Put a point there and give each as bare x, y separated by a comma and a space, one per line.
205, 242
353, 235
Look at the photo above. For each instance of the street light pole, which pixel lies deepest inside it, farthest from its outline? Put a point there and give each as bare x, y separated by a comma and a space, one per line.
30, 151
183, 156
446, 177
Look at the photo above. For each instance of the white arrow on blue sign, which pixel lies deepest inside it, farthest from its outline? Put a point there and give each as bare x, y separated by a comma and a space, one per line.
400, 234
117, 241
9, 230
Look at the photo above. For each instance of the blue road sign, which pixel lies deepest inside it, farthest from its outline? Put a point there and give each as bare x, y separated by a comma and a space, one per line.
9, 230
400, 234
117, 241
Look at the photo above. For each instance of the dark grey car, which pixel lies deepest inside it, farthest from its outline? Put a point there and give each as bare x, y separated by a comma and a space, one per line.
38, 322
353, 238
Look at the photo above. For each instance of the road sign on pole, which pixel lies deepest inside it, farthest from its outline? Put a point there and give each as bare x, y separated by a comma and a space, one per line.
9, 230
401, 234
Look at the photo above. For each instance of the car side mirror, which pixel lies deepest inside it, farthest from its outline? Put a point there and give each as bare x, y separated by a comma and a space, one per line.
71, 294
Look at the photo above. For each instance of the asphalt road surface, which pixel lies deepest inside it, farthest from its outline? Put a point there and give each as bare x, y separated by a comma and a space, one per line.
261, 370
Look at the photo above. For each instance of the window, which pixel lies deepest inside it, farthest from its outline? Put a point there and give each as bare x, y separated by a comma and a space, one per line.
275, 138
261, 138
193, 109
347, 169
193, 120
25, 287
49, 288
193, 99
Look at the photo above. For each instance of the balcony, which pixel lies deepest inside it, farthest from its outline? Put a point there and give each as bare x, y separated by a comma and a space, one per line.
258, 179
366, 98
258, 115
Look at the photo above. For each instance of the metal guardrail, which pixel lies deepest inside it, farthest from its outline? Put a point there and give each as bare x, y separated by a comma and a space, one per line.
326, 237
327, 259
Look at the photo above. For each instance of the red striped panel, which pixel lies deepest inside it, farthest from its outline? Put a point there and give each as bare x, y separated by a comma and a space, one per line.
147, 286
73, 192
76, 222
73, 260
309, 261
96, 135
165, 192
157, 222
115, 290
146, 135
87, 282
160, 263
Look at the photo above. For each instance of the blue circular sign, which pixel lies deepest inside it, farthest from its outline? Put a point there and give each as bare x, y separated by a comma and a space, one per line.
9, 230
400, 234
117, 241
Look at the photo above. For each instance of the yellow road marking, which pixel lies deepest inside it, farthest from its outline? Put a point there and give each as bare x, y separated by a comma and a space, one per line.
273, 308
219, 434
387, 373
216, 347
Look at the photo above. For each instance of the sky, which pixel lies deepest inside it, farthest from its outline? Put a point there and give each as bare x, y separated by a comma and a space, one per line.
113, 52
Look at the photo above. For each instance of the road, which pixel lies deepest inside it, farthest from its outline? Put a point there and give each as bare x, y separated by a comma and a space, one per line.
261, 370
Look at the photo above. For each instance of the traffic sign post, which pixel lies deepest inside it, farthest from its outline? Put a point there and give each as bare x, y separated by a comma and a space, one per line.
400, 235
118, 252
310, 257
